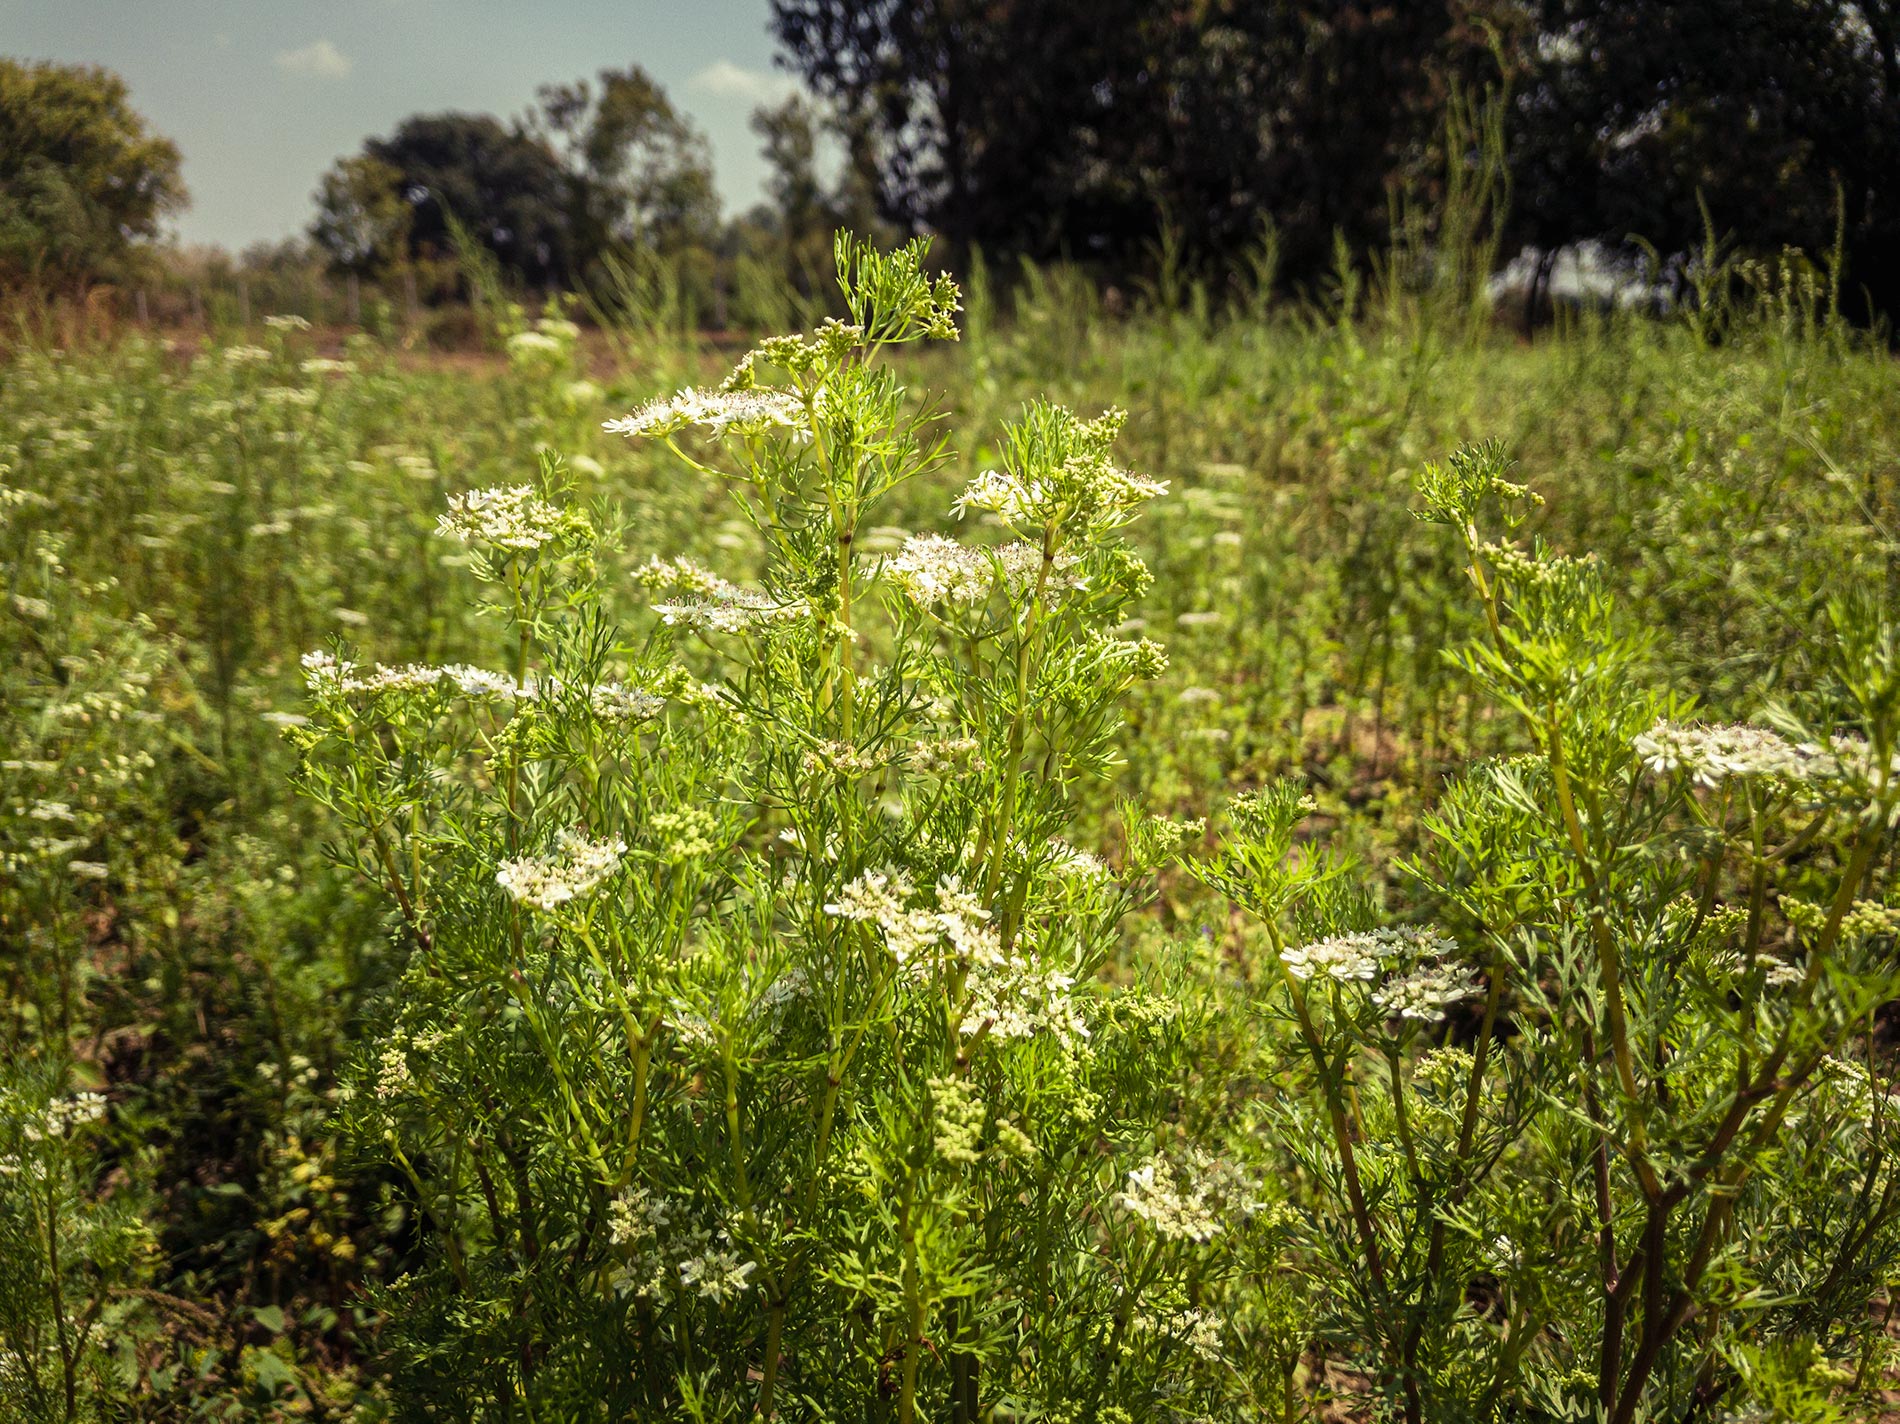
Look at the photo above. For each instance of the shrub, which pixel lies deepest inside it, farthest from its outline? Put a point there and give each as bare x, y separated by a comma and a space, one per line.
753, 1052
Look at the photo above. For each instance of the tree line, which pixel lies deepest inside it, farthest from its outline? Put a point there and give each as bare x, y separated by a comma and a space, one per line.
1054, 130
1043, 130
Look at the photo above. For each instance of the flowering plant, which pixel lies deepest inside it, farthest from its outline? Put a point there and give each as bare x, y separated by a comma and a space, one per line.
753, 1054
1578, 1156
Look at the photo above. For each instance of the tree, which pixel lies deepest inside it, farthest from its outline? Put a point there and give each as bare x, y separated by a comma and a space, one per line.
83, 182
638, 170
363, 219
1778, 118
595, 166
796, 225
1044, 128
506, 188
790, 146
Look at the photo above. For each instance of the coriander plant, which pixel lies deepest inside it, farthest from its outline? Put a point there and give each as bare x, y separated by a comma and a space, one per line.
753, 1056
1615, 1142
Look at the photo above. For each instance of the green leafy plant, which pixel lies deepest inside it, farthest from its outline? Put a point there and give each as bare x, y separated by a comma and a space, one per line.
753, 1054
1590, 1191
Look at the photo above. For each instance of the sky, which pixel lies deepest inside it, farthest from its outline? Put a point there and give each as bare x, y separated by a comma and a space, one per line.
261, 96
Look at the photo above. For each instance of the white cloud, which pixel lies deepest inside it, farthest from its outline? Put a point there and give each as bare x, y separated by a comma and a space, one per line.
319, 60
727, 80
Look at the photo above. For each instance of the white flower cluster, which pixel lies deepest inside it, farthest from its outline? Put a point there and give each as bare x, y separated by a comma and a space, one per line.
1425, 994
525, 347
731, 610
1199, 1330
936, 756
915, 935
1072, 863
1344, 958
636, 1217
577, 868
694, 1030
549, 343
1013, 997
324, 673
716, 605
609, 701
1783, 975
507, 517
1850, 1077
748, 412
393, 1078
1360, 956
1712, 755
661, 1260
716, 1273
1010, 996
932, 570
842, 759
616, 702
1188, 1203
780, 995
1017, 501
680, 573
62, 1116
1091, 490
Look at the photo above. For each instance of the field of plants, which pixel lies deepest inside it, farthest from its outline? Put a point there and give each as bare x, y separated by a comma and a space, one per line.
1016, 856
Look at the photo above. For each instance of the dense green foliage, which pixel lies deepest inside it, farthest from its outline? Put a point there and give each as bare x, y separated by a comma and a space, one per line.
389, 1129
81, 178
1047, 129
1779, 119
596, 169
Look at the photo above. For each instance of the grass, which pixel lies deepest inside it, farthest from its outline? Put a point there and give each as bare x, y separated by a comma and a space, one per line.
185, 522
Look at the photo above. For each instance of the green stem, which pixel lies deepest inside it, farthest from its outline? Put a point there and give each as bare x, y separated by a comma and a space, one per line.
916, 1310
1019, 727
56, 1285
1341, 1127
768, 1375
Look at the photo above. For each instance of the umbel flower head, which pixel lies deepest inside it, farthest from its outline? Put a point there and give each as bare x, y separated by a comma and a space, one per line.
577, 868
515, 518
1058, 471
1194, 1201
324, 673
932, 571
713, 605
757, 411
327, 675
1363, 954
916, 935
1425, 994
1712, 755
